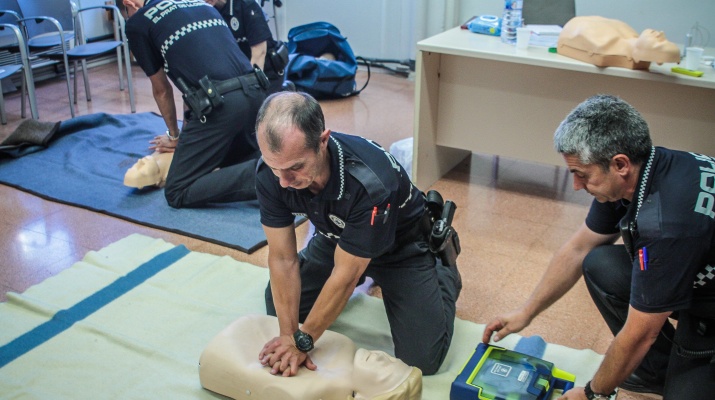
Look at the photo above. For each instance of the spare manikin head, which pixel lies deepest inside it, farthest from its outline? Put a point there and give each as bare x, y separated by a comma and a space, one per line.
229, 365
612, 43
149, 171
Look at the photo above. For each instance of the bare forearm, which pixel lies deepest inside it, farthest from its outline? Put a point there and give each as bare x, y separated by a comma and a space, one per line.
331, 302
285, 286
164, 98
561, 275
621, 359
628, 349
258, 54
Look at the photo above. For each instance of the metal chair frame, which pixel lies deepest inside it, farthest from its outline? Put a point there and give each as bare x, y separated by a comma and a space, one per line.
79, 50
28, 83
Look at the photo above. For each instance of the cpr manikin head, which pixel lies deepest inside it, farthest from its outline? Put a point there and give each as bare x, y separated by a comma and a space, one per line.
608, 42
229, 365
149, 171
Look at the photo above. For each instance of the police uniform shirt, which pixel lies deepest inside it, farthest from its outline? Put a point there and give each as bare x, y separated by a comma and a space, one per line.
248, 24
187, 38
675, 226
367, 203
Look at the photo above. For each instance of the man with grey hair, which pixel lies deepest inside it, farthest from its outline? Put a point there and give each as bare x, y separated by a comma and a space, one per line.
661, 202
368, 220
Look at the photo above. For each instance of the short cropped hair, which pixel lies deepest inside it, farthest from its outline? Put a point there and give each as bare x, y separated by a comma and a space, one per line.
285, 110
601, 127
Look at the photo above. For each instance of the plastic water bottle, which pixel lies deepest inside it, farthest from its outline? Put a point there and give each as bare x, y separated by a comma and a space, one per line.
511, 20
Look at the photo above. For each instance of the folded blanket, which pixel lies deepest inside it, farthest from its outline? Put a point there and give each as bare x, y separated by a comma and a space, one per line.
30, 136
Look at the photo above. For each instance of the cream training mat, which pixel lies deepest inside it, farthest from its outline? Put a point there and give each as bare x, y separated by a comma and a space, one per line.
131, 320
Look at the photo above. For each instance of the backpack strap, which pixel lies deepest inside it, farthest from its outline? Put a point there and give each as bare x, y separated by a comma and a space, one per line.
364, 62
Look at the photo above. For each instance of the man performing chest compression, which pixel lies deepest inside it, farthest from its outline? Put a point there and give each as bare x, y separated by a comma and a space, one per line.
367, 216
188, 42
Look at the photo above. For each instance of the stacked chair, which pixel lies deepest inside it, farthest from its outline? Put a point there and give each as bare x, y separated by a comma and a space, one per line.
15, 60
55, 30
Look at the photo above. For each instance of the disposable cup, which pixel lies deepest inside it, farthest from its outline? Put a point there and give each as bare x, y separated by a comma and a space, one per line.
693, 55
523, 35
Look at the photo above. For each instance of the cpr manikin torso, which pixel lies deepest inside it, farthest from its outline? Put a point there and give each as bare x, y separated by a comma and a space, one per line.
229, 366
612, 43
149, 171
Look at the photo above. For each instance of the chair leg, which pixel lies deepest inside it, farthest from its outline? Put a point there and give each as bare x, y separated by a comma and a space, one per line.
69, 89
31, 95
75, 81
86, 80
23, 91
130, 84
119, 65
3, 117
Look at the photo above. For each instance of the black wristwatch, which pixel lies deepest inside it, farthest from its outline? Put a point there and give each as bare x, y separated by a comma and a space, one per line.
590, 395
303, 341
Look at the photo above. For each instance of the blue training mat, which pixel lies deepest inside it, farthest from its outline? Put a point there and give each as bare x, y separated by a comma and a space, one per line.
84, 166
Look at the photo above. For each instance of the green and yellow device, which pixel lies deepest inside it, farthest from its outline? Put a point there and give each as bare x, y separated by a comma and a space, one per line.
495, 373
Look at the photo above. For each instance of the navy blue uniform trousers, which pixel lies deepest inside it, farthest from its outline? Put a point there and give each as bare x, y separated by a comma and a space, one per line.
225, 141
419, 294
607, 271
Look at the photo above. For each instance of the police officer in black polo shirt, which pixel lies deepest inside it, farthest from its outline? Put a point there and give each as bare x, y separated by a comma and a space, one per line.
366, 213
215, 152
249, 27
661, 202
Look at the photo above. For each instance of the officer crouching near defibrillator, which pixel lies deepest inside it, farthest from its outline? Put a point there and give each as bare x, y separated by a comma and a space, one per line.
249, 27
215, 152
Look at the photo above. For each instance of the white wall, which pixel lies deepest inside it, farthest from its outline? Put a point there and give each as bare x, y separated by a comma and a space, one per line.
675, 18
374, 28
391, 28
96, 22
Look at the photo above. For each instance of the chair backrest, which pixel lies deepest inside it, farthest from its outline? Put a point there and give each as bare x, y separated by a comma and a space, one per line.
548, 12
8, 40
61, 10
12, 6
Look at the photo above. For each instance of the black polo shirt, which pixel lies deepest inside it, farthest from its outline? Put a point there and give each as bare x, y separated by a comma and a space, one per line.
188, 38
367, 203
248, 24
675, 225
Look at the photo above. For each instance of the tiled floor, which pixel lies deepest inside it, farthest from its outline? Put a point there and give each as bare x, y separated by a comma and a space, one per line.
511, 215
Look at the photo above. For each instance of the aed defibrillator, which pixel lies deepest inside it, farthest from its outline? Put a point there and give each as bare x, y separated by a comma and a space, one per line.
495, 373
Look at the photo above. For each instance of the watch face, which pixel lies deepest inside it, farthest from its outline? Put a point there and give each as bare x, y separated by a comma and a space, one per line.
303, 341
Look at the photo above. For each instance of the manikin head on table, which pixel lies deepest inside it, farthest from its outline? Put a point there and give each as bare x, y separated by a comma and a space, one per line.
149, 171
229, 366
612, 43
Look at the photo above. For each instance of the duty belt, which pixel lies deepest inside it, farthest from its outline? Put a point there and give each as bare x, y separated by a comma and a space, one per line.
208, 96
237, 83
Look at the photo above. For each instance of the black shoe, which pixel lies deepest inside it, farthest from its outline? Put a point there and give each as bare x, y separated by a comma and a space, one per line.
636, 384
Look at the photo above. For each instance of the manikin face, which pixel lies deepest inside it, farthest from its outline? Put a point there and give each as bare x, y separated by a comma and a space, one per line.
145, 172
296, 166
376, 372
603, 185
656, 41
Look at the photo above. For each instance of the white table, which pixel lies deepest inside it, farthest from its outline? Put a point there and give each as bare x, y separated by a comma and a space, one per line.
475, 94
